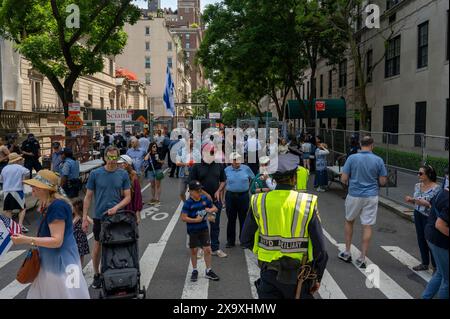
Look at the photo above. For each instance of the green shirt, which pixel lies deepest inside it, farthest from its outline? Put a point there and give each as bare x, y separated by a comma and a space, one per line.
257, 183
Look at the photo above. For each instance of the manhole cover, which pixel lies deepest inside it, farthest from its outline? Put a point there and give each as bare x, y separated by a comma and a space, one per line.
386, 230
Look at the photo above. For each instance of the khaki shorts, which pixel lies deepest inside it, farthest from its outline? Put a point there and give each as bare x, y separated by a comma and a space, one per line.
364, 207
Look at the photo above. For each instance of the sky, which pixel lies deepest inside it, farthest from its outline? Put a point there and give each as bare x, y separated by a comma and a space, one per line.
173, 3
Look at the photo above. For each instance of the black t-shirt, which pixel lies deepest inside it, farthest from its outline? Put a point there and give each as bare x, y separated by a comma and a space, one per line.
209, 175
439, 209
31, 146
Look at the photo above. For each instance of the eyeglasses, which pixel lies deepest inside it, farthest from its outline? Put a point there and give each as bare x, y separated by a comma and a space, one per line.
112, 158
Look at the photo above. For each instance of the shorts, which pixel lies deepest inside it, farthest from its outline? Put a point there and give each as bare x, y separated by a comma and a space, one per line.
97, 229
364, 207
184, 182
11, 203
151, 174
200, 239
306, 155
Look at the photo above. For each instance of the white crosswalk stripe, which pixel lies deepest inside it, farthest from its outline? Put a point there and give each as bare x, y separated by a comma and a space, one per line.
329, 289
386, 285
10, 256
407, 260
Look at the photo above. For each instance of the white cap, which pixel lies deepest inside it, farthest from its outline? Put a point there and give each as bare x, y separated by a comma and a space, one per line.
125, 159
235, 156
264, 160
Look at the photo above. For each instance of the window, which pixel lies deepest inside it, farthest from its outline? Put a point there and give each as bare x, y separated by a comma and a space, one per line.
391, 3
147, 46
148, 78
169, 46
369, 65
169, 62
392, 18
102, 103
147, 30
188, 45
188, 36
188, 55
392, 60
330, 82
343, 73
390, 123
91, 99
111, 103
421, 122
321, 85
147, 62
186, 10
36, 88
422, 53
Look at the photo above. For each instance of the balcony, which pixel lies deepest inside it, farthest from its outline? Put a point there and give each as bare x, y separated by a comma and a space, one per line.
48, 108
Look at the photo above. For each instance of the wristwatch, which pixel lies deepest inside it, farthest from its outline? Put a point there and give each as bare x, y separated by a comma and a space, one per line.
33, 243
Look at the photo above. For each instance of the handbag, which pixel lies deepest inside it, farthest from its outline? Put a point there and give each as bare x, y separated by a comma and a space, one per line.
159, 176
32, 264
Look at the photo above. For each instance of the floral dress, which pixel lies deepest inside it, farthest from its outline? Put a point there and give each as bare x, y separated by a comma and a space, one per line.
81, 238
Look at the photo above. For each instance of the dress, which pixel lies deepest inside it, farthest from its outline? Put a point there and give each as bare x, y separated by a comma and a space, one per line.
81, 238
60, 275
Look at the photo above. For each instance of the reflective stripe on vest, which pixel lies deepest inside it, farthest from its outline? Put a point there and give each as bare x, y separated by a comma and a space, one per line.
283, 218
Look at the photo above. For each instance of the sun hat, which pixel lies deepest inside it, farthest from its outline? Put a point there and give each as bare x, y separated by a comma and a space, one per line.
264, 160
235, 156
14, 157
125, 159
44, 179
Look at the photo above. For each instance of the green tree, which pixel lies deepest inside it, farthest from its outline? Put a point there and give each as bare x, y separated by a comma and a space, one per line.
62, 53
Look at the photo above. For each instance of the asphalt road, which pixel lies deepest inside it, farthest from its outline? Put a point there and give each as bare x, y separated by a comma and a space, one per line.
165, 263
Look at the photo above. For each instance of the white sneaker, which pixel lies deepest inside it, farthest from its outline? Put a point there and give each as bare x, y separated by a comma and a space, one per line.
219, 253
200, 254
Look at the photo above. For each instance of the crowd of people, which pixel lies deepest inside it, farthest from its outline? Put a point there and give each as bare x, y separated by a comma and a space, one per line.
214, 185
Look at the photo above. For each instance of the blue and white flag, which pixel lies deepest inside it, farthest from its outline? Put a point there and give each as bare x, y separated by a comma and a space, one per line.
168, 97
8, 227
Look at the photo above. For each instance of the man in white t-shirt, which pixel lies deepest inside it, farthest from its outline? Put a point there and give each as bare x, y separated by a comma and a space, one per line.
12, 177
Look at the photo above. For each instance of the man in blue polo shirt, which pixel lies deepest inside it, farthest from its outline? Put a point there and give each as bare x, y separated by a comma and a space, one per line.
237, 198
363, 172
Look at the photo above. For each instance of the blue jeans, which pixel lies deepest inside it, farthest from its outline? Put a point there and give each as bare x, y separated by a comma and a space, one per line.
420, 221
214, 228
321, 178
439, 282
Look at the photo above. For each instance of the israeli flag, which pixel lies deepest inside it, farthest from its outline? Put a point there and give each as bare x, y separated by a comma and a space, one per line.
168, 97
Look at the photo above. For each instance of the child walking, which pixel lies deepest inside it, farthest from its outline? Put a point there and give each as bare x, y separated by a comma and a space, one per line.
78, 233
196, 211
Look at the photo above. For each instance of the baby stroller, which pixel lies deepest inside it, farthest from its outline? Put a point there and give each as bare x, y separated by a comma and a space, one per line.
120, 258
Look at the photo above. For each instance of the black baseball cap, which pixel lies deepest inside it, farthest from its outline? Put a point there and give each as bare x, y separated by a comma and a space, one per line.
195, 186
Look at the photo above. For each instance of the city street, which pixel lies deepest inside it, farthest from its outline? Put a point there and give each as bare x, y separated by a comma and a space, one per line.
165, 263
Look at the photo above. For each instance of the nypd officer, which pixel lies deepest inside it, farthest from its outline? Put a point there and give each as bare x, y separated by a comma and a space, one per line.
283, 229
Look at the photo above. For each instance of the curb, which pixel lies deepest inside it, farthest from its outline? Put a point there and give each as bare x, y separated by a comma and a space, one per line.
400, 210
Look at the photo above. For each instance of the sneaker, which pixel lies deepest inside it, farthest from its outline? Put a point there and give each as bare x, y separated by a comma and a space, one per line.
360, 263
24, 229
97, 283
200, 254
345, 256
212, 276
219, 253
194, 275
420, 267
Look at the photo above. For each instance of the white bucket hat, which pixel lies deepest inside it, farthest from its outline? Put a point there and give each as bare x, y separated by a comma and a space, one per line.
125, 159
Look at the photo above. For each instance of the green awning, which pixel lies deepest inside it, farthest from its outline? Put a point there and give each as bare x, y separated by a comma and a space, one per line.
334, 108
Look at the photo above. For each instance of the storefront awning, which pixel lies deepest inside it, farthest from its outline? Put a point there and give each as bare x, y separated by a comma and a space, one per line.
334, 108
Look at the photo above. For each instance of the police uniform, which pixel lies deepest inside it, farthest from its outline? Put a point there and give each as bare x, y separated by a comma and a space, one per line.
31, 145
283, 245
302, 178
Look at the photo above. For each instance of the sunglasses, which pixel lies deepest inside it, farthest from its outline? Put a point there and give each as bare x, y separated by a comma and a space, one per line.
112, 158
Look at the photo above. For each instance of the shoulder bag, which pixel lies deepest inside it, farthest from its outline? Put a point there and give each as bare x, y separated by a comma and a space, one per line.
159, 176
31, 265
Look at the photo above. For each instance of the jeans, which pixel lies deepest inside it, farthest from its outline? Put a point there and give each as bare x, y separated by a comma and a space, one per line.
214, 228
237, 207
439, 282
321, 178
420, 221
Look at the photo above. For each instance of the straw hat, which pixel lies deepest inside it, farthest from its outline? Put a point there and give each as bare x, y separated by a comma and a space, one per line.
14, 157
44, 179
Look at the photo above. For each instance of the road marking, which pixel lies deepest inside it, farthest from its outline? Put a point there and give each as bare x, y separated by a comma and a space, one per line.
12, 290
148, 185
329, 289
387, 285
10, 256
199, 289
407, 260
152, 254
253, 271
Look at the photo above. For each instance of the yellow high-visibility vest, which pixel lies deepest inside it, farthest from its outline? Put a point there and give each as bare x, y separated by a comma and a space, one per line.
283, 218
302, 178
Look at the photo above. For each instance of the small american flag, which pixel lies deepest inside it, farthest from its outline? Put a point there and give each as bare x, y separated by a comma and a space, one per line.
13, 227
